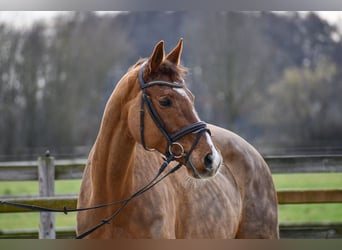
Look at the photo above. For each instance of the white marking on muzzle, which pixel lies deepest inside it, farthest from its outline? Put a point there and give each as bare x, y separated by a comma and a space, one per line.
215, 154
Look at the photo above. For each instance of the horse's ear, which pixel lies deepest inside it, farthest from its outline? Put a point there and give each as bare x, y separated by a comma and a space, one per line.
157, 56
175, 55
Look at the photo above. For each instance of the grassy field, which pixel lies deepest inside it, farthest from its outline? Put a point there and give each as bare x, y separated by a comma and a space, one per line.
31, 220
309, 212
287, 213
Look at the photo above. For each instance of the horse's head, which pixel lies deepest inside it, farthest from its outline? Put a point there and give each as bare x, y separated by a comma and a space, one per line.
163, 117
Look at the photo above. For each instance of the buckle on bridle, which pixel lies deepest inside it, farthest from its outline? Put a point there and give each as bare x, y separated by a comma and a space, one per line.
176, 150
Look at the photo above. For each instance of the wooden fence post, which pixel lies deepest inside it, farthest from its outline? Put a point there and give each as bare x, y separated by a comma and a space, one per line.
46, 175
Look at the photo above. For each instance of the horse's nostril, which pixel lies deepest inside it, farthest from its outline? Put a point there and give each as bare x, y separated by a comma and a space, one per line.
208, 161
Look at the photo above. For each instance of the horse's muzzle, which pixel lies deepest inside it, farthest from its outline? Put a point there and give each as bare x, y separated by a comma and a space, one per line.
206, 167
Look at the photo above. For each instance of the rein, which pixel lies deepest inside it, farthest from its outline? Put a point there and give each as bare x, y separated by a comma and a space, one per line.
124, 202
197, 128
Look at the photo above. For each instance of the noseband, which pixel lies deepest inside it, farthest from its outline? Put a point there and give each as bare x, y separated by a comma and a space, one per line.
174, 149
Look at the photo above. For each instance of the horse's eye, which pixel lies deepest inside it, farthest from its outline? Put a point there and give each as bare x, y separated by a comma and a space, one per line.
165, 102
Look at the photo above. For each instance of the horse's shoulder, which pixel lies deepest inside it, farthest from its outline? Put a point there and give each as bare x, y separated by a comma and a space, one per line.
244, 161
233, 145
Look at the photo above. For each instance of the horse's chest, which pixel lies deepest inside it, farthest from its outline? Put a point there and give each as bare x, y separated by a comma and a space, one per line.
178, 209
211, 211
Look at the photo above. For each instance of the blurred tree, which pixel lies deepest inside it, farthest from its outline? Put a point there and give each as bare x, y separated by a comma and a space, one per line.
82, 54
301, 40
232, 60
9, 89
303, 107
55, 79
29, 72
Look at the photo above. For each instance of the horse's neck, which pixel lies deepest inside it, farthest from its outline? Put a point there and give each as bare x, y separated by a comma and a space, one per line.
113, 154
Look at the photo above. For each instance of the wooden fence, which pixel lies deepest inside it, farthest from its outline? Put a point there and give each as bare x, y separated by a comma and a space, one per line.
47, 170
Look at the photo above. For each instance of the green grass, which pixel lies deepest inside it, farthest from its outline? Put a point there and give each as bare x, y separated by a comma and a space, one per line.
287, 213
309, 212
31, 187
31, 220
308, 181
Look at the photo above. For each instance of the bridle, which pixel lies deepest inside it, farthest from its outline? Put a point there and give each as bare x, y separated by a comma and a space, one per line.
197, 128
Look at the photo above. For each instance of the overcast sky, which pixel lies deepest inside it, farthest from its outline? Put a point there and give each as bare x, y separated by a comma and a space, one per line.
21, 19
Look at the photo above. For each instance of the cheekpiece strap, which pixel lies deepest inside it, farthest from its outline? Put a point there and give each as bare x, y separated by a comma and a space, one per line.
142, 82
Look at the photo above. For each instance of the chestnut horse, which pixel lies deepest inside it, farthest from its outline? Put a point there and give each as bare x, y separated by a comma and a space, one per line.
224, 188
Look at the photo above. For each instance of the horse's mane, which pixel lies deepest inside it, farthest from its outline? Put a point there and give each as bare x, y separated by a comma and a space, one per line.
175, 72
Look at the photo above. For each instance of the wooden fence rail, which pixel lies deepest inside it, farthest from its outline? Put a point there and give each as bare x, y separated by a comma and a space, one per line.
73, 169
284, 197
